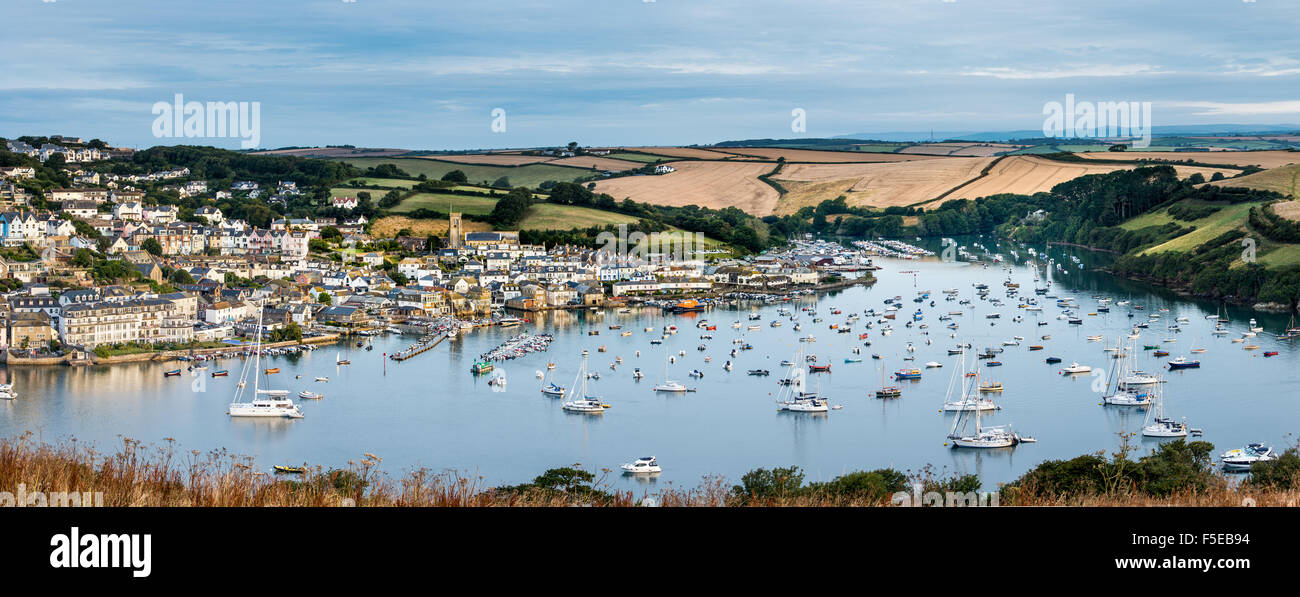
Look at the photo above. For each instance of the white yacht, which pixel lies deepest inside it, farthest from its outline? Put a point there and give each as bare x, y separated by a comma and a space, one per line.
1160, 425
264, 402
645, 465
1076, 368
550, 388
1126, 395
968, 399
584, 403
793, 398
1240, 459
983, 437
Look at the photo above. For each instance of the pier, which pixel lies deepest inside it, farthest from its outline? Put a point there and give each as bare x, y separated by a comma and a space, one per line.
424, 345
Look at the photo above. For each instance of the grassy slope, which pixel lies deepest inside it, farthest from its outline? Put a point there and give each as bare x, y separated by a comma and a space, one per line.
1228, 218
1284, 179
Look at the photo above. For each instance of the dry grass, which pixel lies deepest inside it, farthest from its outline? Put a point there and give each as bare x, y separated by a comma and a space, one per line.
707, 184
878, 185
1027, 175
1287, 209
1284, 180
597, 163
814, 155
1263, 159
164, 476
389, 225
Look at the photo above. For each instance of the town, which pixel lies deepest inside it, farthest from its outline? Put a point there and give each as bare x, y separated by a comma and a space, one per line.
197, 285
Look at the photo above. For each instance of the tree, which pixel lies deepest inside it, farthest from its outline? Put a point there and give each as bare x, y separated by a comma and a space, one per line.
181, 276
456, 176
151, 245
83, 258
510, 209
324, 298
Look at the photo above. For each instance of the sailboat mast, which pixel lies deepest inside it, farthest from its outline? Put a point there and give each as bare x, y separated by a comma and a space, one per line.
257, 359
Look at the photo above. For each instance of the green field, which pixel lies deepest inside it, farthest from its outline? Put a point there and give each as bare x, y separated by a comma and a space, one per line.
446, 202
391, 183
530, 175
1228, 218
552, 216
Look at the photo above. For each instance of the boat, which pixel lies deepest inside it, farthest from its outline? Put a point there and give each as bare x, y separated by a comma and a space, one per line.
172, 373
310, 395
322, 379
797, 400
339, 360
819, 368
1241, 459
1125, 395
264, 402
1183, 363
982, 437
992, 386
221, 373
933, 365
907, 374
481, 368
552, 389
585, 403
669, 385
759, 372
888, 391
645, 465
291, 470
1160, 425
687, 306
1076, 368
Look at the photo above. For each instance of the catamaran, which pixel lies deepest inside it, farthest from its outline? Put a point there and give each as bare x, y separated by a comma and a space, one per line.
265, 402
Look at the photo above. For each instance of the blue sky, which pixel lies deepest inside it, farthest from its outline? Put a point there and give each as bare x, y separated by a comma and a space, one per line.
426, 74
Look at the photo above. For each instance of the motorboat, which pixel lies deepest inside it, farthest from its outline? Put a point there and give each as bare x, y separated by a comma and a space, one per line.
645, 465
1242, 458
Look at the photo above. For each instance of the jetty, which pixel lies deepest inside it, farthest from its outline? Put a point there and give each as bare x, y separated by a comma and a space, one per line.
425, 344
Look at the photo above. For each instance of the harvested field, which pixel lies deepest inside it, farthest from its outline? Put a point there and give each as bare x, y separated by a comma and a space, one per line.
684, 152
335, 152
1263, 159
813, 155
1287, 209
1027, 175
597, 163
876, 185
1285, 180
707, 184
493, 159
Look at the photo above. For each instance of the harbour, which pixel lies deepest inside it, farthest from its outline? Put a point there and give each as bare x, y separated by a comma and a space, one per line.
430, 411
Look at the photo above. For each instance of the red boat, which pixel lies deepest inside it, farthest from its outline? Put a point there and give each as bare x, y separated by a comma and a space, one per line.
862, 336
711, 328
819, 368
1271, 353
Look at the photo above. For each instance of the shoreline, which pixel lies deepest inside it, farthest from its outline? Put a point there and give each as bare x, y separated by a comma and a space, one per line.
155, 356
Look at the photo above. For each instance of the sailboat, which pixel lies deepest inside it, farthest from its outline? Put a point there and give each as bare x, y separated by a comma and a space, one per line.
1160, 425
264, 402
1125, 395
550, 388
669, 385
339, 360
983, 437
887, 391
793, 398
966, 401
584, 403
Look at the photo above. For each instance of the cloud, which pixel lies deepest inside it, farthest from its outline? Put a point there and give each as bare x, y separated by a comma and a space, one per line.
1119, 70
1284, 107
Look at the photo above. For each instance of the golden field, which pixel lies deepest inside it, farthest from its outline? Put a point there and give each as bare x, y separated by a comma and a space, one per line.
1263, 159
707, 184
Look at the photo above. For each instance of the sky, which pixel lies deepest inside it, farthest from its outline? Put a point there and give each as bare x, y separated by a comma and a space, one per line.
429, 74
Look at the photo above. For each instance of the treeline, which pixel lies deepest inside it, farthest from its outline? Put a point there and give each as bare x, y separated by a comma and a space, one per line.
211, 163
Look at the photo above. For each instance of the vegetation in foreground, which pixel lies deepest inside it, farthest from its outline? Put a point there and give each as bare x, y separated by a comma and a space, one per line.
1175, 474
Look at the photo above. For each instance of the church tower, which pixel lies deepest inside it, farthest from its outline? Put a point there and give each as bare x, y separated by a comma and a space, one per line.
455, 238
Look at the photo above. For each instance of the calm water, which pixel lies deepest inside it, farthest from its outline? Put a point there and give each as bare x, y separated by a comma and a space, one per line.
430, 412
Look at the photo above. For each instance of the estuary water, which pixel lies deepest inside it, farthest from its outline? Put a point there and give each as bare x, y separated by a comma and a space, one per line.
430, 411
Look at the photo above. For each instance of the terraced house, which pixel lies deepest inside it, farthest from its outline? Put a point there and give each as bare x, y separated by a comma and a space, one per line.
136, 320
